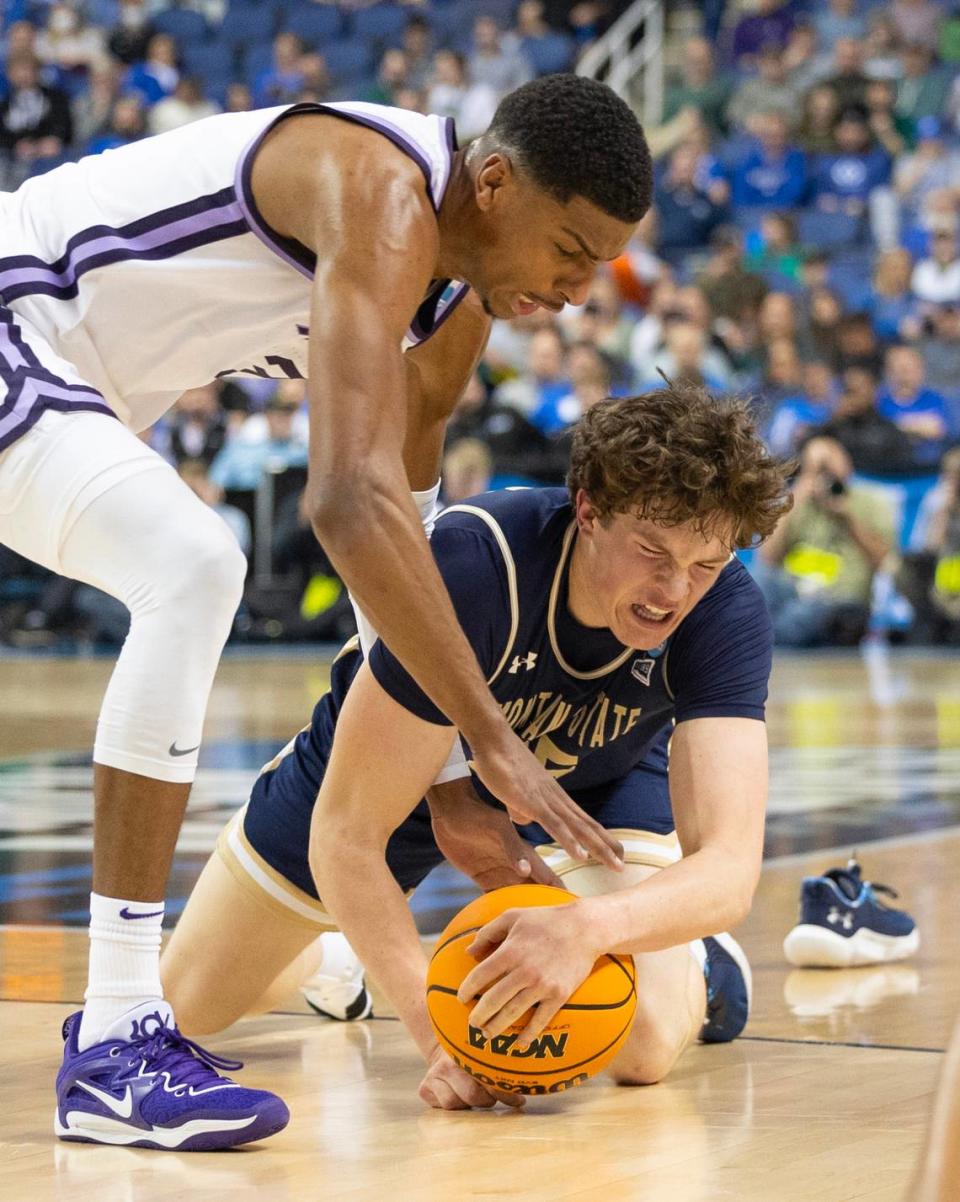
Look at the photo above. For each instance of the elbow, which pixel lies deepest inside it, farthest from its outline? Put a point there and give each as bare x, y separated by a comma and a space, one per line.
339, 504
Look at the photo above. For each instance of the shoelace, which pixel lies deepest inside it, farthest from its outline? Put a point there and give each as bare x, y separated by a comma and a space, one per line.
857, 883
186, 1062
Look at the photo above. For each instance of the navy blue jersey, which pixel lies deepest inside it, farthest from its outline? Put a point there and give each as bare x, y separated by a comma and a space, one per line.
598, 714
589, 707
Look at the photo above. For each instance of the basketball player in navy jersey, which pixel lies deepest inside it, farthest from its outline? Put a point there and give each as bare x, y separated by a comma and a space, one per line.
604, 617
317, 241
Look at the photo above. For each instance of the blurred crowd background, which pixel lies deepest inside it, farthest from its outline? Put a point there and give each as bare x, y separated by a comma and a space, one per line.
803, 250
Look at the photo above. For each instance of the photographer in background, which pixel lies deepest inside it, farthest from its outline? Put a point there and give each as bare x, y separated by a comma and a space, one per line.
817, 568
929, 576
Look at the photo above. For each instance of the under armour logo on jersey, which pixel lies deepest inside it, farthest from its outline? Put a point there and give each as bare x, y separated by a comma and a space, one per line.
528, 661
845, 920
642, 670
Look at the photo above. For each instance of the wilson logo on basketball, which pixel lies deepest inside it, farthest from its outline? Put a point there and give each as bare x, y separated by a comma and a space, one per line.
502, 1045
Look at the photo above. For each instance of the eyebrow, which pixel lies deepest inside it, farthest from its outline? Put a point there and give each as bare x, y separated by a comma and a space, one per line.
580, 242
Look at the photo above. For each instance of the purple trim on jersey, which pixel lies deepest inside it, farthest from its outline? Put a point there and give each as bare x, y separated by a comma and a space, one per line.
158, 236
293, 252
32, 389
417, 332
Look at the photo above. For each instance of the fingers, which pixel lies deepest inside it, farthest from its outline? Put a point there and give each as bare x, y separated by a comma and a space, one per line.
541, 873
438, 1094
480, 978
510, 1011
494, 1001
491, 935
541, 1018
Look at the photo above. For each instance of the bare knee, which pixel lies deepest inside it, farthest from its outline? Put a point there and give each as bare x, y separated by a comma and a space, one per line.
655, 1045
200, 1007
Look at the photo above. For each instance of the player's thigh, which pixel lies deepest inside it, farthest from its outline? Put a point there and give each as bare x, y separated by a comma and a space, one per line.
229, 947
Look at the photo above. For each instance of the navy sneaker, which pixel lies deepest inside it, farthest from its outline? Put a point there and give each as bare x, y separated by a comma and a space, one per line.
844, 924
147, 1086
729, 989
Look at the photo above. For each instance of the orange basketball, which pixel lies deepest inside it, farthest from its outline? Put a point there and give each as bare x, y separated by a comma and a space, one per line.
582, 1038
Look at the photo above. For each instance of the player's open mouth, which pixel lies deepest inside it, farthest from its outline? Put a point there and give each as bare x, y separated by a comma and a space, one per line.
650, 613
524, 305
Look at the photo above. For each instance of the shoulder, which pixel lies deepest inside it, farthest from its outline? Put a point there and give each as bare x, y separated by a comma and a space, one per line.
521, 522
735, 604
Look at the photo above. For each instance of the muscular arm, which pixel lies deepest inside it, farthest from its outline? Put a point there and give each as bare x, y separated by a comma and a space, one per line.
362, 206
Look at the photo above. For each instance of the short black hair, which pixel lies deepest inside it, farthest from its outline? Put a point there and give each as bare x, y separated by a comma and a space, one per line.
576, 137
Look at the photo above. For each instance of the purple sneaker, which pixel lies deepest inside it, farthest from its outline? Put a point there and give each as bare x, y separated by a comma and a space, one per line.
147, 1086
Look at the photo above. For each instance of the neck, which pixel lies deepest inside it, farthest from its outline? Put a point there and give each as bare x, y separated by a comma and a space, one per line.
580, 600
457, 243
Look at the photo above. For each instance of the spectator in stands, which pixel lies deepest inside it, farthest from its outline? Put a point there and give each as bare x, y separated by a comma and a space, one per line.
918, 21
411, 99
35, 124
452, 94
418, 47
817, 568
70, 45
796, 417
392, 75
848, 79
774, 174
857, 344
637, 271
687, 215
839, 19
769, 25
195, 474
769, 91
783, 374
590, 378
544, 379
92, 108
923, 90
127, 124
282, 82
198, 425
893, 307
603, 322
872, 441
824, 312
853, 181
710, 174
243, 461
806, 60
778, 255
496, 58
187, 104
936, 279
882, 59
932, 167
239, 99
891, 131
730, 289
778, 318
929, 573
685, 356
701, 88
315, 78
939, 344
912, 406
156, 77
129, 38
821, 108
520, 451
467, 470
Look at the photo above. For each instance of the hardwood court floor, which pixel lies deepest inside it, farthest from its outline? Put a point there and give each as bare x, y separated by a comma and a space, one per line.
825, 1099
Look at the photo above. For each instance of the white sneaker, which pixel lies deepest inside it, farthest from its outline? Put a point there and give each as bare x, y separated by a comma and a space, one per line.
337, 989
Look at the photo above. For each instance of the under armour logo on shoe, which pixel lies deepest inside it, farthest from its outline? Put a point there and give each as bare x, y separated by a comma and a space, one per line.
528, 661
845, 920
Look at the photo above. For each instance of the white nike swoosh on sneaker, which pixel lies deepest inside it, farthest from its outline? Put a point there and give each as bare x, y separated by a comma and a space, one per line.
122, 1107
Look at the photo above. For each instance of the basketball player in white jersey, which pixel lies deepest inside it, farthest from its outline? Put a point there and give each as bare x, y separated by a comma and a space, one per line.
317, 241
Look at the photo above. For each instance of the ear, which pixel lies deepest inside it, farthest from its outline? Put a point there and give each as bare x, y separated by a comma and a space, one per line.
586, 515
495, 173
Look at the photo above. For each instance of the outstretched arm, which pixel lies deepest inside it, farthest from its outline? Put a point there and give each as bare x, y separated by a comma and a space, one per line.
362, 206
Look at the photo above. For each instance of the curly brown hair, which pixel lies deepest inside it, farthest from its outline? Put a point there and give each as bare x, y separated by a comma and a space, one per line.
677, 455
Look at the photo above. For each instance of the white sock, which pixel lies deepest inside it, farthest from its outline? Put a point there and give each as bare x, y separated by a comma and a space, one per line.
124, 962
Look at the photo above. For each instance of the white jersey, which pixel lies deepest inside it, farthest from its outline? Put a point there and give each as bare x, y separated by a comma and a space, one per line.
149, 269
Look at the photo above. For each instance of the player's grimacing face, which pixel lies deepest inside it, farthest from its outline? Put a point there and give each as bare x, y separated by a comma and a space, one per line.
639, 578
539, 253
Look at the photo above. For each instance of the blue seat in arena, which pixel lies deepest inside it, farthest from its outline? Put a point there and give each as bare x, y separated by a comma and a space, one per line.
247, 24
314, 24
553, 52
256, 59
381, 23
213, 63
348, 59
187, 27
829, 231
